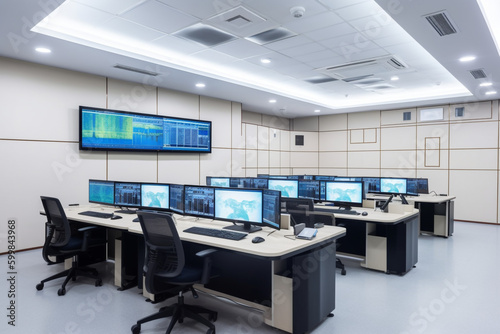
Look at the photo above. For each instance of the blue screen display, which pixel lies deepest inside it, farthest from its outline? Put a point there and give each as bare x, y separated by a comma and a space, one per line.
219, 182
104, 129
346, 192
127, 194
393, 185
244, 205
288, 188
271, 208
177, 198
102, 192
199, 201
155, 196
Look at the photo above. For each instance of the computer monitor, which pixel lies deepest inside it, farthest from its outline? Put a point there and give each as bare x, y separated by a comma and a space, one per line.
239, 205
127, 195
155, 196
306, 177
293, 177
271, 215
345, 193
259, 183
288, 188
199, 201
372, 184
177, 198
416, 186
218, 181
102, 192
324, 177
391, 185
309, 189
279, 177
241, 182
348, 178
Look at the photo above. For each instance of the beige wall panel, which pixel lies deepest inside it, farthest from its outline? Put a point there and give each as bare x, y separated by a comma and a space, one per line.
219, 112
251, 117
276, 122
178, 104
332, 171
364, 172
395, 117
262, 171
218, 163
333, 159
333, 141
438, 180
252, 172
134, 166
304, 160
275, 171
363, 120
275, 139
274, 159
474, 159
263, 138
479, 204
398, 172
357, 136
473, 110
363, 146
179, 168
251, 158
363, 159
305, 171
238, 163
310, 141
333, 122
45, 169
432, 159
432, 131
285, 159
306, 124
474, 135
370, 135
263, 159
237, 128
285, 171
285, 140
131, 96
251, 136
40, 93
398, 159
399, 138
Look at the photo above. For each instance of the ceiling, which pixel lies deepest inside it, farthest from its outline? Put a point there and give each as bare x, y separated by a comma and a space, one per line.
326, 56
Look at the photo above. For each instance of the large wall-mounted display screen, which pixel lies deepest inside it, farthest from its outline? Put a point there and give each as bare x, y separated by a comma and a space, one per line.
108, 130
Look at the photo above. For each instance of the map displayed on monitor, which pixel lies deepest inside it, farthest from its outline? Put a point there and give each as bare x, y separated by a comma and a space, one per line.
393, 186
288, 188
350, 192
238, 205
155, 196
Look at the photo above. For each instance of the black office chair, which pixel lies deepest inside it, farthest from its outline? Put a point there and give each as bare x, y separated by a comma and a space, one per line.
62, 243
166, 271
327, 219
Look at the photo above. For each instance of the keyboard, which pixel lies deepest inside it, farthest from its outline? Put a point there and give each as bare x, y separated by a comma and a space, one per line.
96, 214
212, 232
341, 211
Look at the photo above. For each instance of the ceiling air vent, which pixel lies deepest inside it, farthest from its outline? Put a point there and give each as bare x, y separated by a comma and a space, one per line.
205, 35
441, 23
364, 69
271, 35
478, 74
136, 70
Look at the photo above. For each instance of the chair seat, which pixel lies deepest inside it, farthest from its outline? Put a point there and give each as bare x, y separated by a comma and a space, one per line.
188, 275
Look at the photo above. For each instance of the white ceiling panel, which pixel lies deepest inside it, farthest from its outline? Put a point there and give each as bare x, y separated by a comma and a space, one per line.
311, 23
331, 32
180, 45
302, 50
113, 7
132, 30
337, 4
241, 48
359, 10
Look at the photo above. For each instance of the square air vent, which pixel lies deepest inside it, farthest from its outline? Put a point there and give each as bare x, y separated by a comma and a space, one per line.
205, 35
441, 23
272, 35
478, 74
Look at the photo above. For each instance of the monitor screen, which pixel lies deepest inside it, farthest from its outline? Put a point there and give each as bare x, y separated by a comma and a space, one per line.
372, 184
324, 177
239, 205
417, 186
102, 192
279, 177
288, 188
218, 181
309, 189
105, 129
127, 194
199, 201
155, 196
392, 185
293, 177
177, 198
306, 177
259, 183
345, 193
346, 178
271, 215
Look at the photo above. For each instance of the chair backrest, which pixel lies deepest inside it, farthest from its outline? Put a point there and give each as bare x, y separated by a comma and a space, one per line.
164, 251
322, 217
56, 216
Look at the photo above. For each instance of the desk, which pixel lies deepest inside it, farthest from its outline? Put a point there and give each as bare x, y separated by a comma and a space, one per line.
291, 280
436, 212
387, 242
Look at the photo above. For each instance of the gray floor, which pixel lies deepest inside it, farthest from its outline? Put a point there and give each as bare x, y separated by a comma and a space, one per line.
455, 288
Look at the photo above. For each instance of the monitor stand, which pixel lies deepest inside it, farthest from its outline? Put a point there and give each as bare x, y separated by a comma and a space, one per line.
246, 227
127, 211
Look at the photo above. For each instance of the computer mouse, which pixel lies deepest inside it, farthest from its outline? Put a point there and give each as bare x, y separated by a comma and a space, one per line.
364, 213
116, 217
258, 239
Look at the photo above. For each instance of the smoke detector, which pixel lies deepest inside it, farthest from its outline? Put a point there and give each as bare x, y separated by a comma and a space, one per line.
297, 11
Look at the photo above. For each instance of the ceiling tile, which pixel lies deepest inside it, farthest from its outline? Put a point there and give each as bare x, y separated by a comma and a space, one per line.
287, 43
132, 30
113, 7
330, 32
336, 4
178, 45
359, 10
279, 10
154, 14
311, 57
241, 48
201, 9
302, 49
310, 23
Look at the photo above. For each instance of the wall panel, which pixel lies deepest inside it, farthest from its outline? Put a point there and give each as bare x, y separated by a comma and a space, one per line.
219, 112
333, 141
364, 159
474, 135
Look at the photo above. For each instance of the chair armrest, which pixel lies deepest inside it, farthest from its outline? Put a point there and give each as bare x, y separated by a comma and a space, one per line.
207, 264
206, 252
88, 228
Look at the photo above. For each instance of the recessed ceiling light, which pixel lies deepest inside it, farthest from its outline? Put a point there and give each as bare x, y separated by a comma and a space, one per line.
265, 61
43, 50
317, 110
394, 78
200, 85
272, 101
467, 58
486, 84
491, 92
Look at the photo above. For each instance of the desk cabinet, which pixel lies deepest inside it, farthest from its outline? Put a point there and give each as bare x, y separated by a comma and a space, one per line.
436, 218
